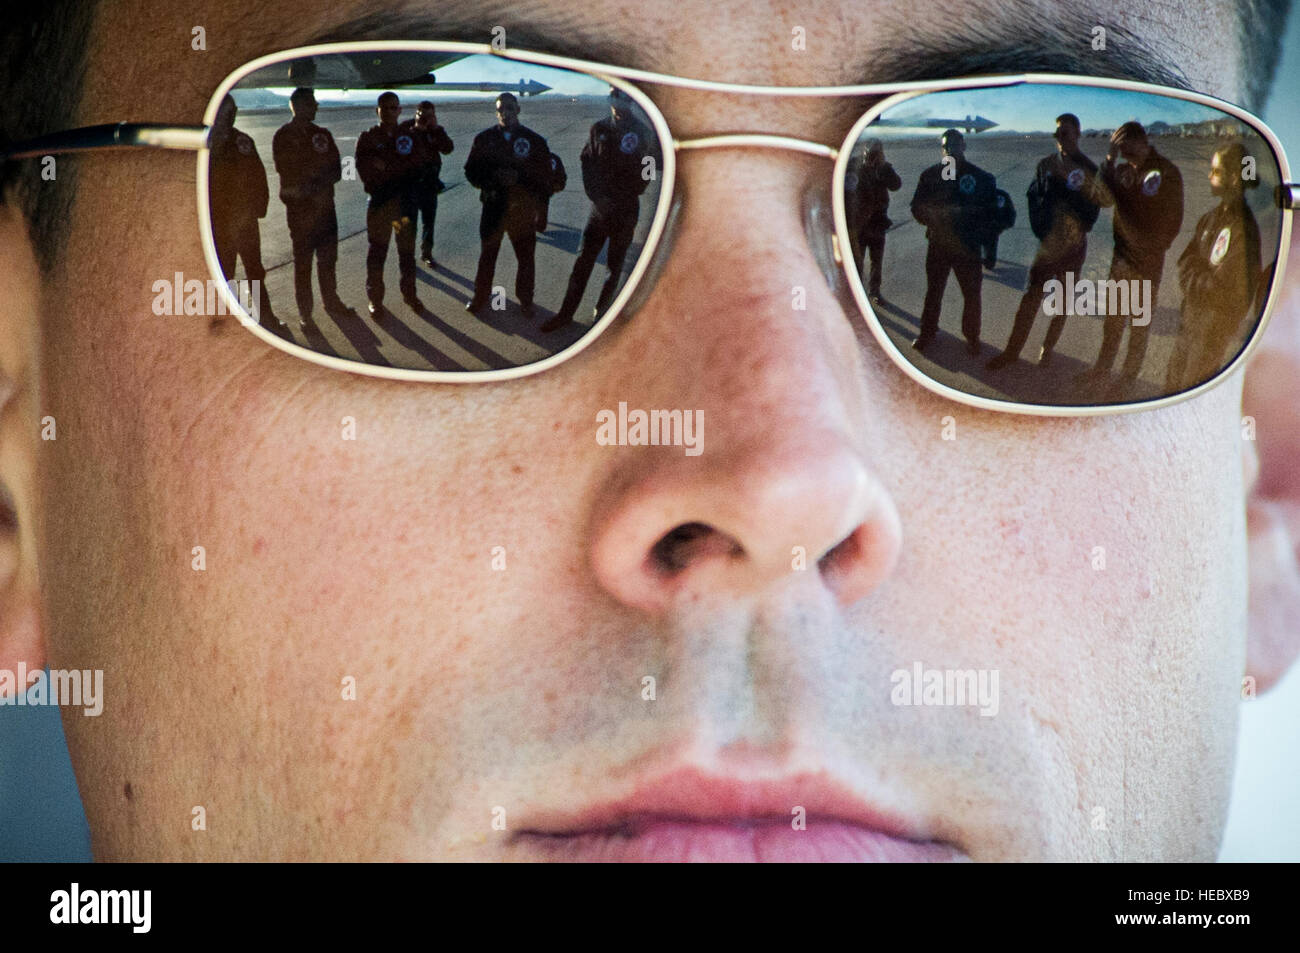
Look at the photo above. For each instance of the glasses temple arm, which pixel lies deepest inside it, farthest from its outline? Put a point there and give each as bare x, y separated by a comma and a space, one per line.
113, 135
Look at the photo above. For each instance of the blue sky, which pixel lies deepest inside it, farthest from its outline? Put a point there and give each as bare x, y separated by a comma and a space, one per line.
1034, 108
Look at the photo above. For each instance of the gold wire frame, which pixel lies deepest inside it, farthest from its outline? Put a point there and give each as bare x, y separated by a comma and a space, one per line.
623, 78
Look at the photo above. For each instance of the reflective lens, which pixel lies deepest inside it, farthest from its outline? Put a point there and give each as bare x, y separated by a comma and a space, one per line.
482, 217
1060, 244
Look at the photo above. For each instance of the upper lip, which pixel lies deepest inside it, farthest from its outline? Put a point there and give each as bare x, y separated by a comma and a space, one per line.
688, 795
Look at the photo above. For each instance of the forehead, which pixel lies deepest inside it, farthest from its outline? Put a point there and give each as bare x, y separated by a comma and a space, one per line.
762, 42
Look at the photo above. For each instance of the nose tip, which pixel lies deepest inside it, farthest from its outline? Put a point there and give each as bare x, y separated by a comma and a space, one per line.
683, 531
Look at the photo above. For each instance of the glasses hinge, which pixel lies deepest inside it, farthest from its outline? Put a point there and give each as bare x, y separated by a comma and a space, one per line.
1288, 195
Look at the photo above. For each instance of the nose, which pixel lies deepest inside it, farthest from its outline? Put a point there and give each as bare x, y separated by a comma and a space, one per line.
783, 488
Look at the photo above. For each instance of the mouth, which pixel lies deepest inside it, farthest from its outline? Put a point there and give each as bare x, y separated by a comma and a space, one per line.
687, 816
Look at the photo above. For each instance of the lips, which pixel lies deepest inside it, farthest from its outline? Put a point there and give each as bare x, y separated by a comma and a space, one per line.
690, 816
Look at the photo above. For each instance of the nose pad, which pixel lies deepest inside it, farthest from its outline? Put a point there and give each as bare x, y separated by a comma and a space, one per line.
819, 228
659, 260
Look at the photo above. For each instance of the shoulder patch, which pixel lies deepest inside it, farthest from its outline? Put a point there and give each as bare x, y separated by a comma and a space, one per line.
1221, 242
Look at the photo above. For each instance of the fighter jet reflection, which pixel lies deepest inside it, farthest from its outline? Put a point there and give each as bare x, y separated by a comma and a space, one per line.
969, 124
522, 88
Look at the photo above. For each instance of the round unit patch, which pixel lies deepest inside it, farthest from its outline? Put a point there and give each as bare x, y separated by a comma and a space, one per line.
1220, 249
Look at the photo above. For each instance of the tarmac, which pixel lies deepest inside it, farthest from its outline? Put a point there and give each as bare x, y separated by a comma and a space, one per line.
443, 336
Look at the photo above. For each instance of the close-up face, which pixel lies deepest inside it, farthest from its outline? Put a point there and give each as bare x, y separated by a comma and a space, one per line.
445, 622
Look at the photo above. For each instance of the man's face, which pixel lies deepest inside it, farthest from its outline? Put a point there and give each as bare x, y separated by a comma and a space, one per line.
953, 146
507, 112
389, 109
304, 108
1135, 150
426, 117
620, 109
1221, 176
450, 620
1067, 138
225, 119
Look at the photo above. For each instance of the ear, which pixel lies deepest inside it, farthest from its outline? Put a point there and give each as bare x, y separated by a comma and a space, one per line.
1271, 395
22, 637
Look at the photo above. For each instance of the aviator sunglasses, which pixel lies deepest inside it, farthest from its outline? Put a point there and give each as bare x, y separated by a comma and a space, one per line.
1038, 244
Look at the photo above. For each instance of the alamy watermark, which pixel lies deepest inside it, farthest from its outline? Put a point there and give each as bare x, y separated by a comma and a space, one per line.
72, 688
179, 295
946, 687
652, 428
1085, 296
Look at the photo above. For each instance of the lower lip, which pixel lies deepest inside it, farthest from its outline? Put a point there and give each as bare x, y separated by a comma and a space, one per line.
671, 841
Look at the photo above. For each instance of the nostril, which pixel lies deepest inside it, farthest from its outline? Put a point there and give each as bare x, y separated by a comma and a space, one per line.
840, 558
687, 543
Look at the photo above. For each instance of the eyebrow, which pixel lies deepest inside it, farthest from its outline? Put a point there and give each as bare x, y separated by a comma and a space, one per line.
1008, 40
543, 30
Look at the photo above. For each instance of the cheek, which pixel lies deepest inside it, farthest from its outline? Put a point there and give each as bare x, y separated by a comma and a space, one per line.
1098, 566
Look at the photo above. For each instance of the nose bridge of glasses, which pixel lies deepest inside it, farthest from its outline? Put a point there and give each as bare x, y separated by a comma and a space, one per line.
752, 140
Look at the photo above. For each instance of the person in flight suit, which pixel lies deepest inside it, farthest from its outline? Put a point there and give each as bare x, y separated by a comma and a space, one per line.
1219, 274
1065, 198
389, 165
308, 162
614, 177
956, 201
1148, 193
238, 196
433, 143
876, 178
510, 166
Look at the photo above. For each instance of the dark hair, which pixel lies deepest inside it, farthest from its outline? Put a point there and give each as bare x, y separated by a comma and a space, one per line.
1133, 130
1069, 119
302, 92
386, 96
42, 73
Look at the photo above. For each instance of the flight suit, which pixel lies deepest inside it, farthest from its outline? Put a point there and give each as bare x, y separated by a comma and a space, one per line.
388, 163
432, 144
613, 177
309, 164
1148, 215
1065, 198
1219, 274
958, 214
871, 216
238, 197
511, 169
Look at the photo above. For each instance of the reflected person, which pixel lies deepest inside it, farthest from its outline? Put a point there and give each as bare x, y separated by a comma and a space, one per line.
1219, 274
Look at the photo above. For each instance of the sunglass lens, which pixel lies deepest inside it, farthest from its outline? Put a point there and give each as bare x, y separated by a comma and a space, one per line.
1064, 245
370, 200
